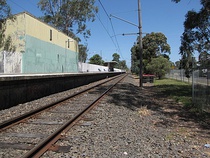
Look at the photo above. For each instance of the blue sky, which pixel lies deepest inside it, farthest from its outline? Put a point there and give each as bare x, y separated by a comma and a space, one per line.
106, 36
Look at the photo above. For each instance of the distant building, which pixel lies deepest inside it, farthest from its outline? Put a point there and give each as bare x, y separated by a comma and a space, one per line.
110, 65
40, 48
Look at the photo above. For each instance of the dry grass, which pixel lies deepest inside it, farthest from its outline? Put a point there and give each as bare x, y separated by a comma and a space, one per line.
143, 111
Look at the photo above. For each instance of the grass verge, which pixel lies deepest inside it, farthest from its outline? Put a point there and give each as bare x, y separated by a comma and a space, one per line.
177, 90
181, 92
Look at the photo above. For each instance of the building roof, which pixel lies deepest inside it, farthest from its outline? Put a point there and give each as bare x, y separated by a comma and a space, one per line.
42, 22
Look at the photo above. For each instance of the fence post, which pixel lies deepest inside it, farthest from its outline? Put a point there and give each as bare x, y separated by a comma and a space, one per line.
193, 94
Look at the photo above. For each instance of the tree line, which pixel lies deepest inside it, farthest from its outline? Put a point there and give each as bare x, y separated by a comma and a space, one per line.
71, 17
195, 38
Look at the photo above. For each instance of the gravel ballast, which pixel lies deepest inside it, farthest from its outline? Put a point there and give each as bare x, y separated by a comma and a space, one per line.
134, 122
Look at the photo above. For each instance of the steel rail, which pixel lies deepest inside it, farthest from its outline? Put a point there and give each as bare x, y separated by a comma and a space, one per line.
43, 146
8, 123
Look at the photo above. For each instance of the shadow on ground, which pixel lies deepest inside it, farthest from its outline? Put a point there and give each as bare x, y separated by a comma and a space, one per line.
133, 98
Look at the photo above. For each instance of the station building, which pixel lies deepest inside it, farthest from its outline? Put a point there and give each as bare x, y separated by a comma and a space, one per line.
39, 48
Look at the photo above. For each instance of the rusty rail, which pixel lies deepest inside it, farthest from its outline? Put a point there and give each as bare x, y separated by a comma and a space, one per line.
6, 124
42, 147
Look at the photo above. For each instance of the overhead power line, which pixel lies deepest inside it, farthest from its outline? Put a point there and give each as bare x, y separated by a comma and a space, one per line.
116, 39
105, 28
22, 8
124, 20
18, 5
104, 8
118, 47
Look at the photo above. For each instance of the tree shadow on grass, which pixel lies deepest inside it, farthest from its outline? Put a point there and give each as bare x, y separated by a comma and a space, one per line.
183, 93
175, 90
156, 99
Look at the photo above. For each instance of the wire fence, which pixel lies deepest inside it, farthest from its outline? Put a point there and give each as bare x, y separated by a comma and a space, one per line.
200, 81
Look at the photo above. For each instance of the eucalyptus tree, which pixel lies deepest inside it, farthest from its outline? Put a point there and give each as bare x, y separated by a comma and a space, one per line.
205, 3
175, 1
197, 29
5, 10
123, 65
159, 66
96, 59
116, 57
83, 53
120, 64
135, 59
69, 16
204, 60
196, 35
154, 45
5, 13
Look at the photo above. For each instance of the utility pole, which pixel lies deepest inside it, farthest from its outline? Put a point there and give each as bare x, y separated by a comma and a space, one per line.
140, 42
140, 46
101, 56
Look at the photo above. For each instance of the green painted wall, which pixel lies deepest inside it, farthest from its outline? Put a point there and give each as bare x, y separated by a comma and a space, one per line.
45, 57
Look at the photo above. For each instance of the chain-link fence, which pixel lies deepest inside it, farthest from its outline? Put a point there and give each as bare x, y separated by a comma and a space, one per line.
200, 80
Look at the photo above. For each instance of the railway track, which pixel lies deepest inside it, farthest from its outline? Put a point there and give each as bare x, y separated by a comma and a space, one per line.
20, 136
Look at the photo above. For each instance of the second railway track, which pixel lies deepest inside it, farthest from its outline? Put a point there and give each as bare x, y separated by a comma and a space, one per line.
23, 136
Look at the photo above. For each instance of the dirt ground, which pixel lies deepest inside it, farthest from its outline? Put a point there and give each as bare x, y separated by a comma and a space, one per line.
183, 126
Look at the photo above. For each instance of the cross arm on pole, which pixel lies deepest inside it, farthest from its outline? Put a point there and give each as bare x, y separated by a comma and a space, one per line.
140, 41
124, 20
